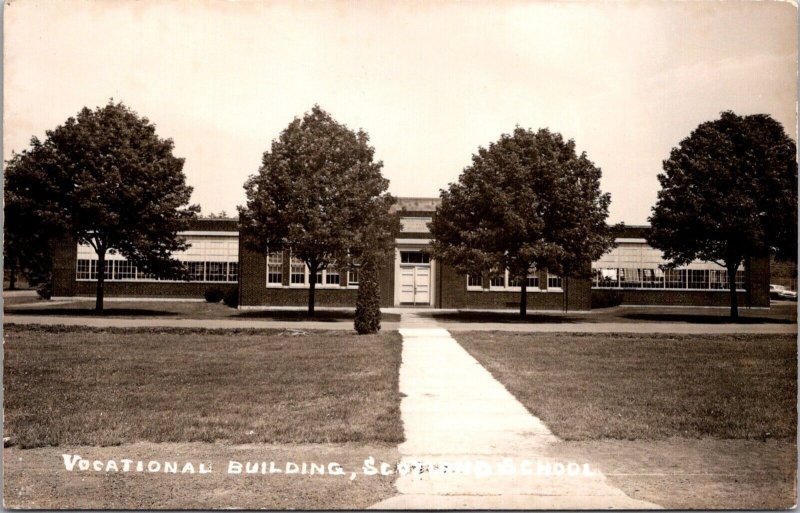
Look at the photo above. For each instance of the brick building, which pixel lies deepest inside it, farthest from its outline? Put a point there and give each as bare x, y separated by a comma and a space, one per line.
411, 277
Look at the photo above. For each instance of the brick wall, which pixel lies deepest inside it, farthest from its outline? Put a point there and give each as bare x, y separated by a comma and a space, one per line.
253, 290
452, 293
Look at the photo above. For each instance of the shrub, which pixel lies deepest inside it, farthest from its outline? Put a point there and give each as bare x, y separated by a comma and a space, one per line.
232, 297
368, 307
44, 290
214, 294
606, 298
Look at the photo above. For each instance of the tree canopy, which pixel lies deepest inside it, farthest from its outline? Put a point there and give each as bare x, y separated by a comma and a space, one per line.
728, 193
317, 195
107, 179
527, 201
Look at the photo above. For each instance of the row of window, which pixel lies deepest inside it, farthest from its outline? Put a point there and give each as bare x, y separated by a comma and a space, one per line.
299, 274
506, 282
654, 278
122, 270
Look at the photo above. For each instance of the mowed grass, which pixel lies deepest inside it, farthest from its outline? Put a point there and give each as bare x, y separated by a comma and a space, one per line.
78, 386
619, 386
177, 310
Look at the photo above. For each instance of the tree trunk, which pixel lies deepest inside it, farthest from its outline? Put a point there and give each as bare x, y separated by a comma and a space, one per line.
12, 278
101, 278
523, 298
312, 287
732, 268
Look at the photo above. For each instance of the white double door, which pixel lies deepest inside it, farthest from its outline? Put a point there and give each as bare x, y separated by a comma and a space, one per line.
415, 285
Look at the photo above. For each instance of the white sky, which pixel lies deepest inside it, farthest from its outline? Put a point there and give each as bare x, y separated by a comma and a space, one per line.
429, 81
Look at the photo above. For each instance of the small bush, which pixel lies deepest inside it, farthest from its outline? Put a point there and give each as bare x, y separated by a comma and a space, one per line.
232, 297
214, 294
606, 298
44, 290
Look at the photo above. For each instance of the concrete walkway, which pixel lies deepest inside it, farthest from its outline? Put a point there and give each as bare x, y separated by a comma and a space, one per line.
455, 413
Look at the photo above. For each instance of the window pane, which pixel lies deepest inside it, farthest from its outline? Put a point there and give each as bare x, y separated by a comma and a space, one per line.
414, 257
215, 271
352, 277
553, 281
498, 281
123, 270
332, 278
297, 274
275, 267
698, 278
474, 280
196, 271
233, 271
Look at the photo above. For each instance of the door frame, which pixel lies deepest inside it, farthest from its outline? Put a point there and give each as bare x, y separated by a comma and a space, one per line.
398, 278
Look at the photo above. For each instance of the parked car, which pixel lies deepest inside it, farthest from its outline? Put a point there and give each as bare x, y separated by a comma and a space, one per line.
781, 292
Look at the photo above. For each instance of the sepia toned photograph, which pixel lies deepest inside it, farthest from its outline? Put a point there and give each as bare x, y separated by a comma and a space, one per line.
350, 255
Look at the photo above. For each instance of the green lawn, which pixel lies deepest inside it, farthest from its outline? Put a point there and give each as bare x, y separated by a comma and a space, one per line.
648, 386
686, 422
783, 312
78, 386
175, 310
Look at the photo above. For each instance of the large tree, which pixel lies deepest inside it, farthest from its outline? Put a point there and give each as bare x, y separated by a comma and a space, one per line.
107, 179
728, 194
527, 201
317, 186
29, 230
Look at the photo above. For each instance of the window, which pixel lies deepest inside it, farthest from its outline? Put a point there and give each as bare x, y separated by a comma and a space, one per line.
352, 277
605, 278
86, 270
498, 281
275, 268
414, 257
718, 279
475, 281
331, 277
739, 279
553, 281
196, 271
217, 252
215, 271
653, 278
533, 280
297, 271
697, 279
124, 270
675, 278
656, 278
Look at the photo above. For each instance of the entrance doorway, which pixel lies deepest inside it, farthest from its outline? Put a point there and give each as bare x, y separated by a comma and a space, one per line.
415, 278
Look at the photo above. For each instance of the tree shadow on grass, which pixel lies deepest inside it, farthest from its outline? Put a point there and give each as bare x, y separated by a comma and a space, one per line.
302, 315
86, 312
703, 318
504, 318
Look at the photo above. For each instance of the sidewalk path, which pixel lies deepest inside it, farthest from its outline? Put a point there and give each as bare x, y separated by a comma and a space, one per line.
454, 411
